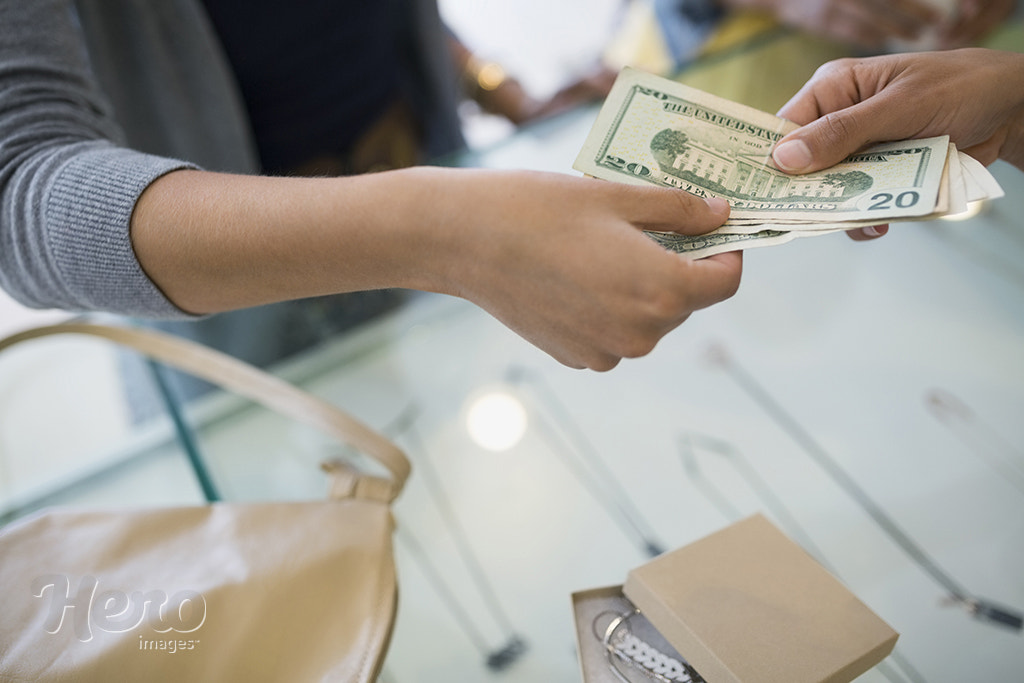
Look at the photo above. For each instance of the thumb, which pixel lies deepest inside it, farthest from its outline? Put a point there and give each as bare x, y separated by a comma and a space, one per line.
668, 209
826, 141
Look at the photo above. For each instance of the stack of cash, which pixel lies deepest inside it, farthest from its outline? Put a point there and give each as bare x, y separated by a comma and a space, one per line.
655, 131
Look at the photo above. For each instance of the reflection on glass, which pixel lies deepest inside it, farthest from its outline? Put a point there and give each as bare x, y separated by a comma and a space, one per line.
496, 421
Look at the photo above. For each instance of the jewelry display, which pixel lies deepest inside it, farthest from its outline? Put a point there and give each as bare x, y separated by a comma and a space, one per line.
981, 438
403, 427
982, 609
637, 653
691, 444
588, 467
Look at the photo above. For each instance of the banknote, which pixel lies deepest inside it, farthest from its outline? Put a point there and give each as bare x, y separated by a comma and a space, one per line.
658, 131
655, 131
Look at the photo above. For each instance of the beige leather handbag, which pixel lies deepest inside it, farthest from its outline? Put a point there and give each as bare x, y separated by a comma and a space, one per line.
302, 591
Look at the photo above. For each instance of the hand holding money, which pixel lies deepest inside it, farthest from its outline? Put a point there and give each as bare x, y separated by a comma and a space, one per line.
659, 132
976, 96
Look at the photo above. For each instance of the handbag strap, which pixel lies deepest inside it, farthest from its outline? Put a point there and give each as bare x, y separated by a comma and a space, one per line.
245, 380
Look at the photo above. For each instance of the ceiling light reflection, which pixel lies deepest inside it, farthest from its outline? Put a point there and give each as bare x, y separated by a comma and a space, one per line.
496, 421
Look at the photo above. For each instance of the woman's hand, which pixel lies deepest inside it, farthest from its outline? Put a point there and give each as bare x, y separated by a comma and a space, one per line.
563, 262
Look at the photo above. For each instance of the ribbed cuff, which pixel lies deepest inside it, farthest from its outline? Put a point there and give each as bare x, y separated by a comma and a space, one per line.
90, 207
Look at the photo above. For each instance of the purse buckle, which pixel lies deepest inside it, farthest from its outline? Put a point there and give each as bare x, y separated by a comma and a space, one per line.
348, 482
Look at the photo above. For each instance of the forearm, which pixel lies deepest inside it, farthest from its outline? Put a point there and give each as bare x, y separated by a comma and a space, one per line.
215, 242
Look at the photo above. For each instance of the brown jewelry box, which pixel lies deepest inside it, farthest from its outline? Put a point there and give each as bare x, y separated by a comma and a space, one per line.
745, 604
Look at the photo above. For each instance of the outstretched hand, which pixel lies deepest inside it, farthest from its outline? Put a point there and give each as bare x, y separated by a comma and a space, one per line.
563, 262
559, 259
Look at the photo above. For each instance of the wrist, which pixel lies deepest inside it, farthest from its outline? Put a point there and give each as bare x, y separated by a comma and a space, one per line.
1013, 148
430, 226
489, 85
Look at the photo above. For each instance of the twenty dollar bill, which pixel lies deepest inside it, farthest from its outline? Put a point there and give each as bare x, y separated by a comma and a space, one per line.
655, 131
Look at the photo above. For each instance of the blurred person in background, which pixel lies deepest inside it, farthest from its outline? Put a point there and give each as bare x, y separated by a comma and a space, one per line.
862, 26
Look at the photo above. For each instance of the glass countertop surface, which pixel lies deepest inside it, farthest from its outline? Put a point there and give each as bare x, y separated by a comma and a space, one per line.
865, 397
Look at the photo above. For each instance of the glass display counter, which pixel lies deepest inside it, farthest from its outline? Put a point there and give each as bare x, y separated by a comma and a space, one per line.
865, 397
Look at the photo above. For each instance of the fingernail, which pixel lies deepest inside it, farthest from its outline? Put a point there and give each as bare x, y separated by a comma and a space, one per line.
793, 155
717, 204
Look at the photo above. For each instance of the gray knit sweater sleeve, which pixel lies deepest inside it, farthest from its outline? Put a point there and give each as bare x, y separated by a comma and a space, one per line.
67, 184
